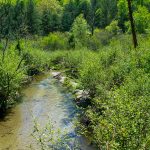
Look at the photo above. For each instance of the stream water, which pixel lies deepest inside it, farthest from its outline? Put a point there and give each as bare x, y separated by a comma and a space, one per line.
44, 100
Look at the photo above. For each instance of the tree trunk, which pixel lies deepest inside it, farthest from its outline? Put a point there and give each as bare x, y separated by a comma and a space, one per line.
132, 24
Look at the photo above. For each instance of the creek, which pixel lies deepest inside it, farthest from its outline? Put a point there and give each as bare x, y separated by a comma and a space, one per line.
42, 99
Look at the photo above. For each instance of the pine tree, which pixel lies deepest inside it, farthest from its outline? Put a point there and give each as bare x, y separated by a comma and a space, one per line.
33, 18
46, 22
19, 19
6, 22
71, 11
51, 15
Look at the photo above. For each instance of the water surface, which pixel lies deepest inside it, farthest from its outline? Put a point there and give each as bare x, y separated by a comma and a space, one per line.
42, 99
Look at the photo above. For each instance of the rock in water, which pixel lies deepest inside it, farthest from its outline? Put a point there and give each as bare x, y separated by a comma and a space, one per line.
56, 75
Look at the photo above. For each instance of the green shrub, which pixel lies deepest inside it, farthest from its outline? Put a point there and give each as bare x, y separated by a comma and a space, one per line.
55, 41
68, 60
142, 19
73, 60
119, 114
117, 77
113, 28
91, 72
14, 67
101, 70
36, 60
100, 39
57, 59
11, 75
125, 120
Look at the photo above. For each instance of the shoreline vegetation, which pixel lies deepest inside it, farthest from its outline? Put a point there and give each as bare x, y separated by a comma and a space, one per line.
113, 81
90, 42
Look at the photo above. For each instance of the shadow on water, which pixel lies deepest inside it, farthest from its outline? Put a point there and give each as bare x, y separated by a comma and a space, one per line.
70, 109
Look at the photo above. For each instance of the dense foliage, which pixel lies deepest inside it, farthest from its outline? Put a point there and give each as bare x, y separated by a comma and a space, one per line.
44, 16
14, 68
119, 84
90, 40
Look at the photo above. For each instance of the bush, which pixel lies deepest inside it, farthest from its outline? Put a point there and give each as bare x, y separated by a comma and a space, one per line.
125, 120
91, 72
113, 28
55, 41
70, 61
57, 59
117, 77
100, 39
142, 19
36, 60
102, 70
119, 114
11, 75
73, 60
15, 65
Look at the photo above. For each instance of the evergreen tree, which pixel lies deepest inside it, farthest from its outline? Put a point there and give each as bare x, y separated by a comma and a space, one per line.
122, 14
93, 14
71, 11
84, 8
51, 15
6, 22
46, 21
107, 12
19, 19
33, 18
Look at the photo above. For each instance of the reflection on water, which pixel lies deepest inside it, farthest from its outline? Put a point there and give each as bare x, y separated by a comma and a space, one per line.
41, 99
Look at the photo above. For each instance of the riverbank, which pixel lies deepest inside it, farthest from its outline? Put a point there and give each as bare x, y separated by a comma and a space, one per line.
17, 69
117, 81
116, 78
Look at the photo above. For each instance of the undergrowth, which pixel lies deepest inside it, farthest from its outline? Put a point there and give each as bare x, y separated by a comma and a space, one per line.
119, 84
116, 75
